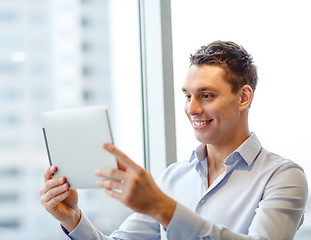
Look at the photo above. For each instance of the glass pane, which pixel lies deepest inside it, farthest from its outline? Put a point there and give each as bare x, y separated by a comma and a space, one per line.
276, 34
62, 54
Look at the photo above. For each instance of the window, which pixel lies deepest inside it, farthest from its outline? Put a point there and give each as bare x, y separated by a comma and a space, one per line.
8, 16
66, 55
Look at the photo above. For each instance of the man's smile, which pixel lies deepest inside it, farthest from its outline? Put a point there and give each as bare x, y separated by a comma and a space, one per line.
199, 124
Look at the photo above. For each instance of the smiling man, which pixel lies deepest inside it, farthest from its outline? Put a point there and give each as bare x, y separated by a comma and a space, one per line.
231, 188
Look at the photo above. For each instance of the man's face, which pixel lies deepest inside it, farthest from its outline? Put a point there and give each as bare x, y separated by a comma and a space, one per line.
213, 110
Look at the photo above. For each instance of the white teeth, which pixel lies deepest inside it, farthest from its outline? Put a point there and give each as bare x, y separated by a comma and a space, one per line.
199, 123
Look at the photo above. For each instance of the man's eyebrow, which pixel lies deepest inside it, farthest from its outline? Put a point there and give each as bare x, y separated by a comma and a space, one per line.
183, 89
202, 89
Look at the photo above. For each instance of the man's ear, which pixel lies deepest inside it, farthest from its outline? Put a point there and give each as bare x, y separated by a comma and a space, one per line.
246, 97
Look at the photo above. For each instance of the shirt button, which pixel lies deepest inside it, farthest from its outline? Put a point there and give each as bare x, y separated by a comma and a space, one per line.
203, 201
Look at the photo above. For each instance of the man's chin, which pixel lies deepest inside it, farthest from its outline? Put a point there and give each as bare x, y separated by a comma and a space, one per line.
203, 139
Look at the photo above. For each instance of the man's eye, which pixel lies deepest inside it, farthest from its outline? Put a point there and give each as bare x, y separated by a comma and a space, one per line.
207, 96
188, 97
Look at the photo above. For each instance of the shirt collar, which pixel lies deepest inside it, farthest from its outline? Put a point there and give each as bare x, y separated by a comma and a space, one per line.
199, 153
248, 151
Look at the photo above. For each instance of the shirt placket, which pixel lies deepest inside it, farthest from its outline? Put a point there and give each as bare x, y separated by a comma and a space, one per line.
230, 163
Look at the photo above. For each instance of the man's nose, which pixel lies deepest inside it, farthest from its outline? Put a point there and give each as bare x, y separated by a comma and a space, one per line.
194, 107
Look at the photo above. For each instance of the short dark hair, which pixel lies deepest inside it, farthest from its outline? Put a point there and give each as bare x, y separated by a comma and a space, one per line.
233, 58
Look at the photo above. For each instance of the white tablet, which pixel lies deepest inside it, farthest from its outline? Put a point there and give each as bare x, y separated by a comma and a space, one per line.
74, 140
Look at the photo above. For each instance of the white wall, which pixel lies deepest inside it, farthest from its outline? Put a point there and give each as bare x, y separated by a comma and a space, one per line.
276, 33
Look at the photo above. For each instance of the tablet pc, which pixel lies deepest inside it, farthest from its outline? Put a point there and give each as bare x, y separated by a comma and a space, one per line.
74, 141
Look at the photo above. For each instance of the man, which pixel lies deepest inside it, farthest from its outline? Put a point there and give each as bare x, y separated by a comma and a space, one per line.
232, 188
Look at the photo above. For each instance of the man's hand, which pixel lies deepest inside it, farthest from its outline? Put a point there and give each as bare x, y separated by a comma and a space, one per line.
59, 200
135, 188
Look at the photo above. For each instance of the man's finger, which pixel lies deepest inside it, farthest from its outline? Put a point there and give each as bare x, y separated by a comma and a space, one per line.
52, 193
121, 166
124, 161
52, 183
48, 174
111, 173
110, 184
53, 202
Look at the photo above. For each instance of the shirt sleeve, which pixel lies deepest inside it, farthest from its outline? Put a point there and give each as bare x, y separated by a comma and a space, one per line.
86, 231
278, 216
136, 226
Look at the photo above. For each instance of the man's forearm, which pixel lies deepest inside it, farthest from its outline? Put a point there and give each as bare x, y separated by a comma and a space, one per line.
164, 211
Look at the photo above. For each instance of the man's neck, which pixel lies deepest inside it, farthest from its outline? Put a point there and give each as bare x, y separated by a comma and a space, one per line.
216, 156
